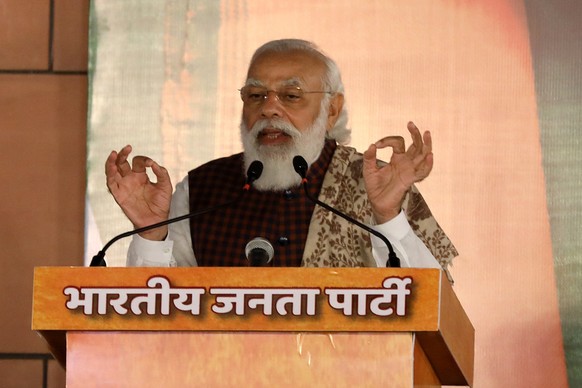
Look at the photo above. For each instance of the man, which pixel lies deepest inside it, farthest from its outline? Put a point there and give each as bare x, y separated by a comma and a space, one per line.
292, 105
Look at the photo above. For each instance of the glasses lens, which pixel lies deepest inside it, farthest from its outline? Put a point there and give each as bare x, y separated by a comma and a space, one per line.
253, 94
290, 95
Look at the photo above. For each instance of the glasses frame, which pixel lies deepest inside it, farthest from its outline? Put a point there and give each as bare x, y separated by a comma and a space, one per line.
279, 95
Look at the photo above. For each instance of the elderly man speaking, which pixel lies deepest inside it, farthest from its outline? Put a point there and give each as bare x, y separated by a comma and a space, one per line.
293, 105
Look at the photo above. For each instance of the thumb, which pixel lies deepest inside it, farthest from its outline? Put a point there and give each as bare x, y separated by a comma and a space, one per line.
370, 158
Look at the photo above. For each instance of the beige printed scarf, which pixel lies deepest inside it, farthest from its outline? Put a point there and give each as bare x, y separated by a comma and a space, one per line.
334, 242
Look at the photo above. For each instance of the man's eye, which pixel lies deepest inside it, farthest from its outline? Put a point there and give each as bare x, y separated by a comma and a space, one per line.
291, 96
256, 96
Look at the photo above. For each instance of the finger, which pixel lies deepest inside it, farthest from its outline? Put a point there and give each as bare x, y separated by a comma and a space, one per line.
110, 166
161, 174
423, 169
414, 132
139, 163
111, 171
416, 146
121, 162
427, 138
395, 142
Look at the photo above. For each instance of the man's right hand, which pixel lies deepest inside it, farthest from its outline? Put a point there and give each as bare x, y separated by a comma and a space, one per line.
143, 202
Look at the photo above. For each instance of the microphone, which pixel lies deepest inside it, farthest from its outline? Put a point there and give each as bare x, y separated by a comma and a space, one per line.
253, 173
300, 166
259, 252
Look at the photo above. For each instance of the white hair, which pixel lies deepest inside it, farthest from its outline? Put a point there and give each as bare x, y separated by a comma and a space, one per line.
331, 80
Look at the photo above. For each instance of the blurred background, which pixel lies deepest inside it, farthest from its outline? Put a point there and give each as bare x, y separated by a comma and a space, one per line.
498, 83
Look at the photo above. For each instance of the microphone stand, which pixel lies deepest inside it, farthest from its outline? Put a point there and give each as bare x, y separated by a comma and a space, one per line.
99, 259
253, 173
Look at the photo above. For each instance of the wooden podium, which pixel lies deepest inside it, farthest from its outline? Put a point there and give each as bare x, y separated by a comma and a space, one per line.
296, 327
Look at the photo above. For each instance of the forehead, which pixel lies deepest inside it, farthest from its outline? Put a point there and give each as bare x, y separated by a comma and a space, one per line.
274, 68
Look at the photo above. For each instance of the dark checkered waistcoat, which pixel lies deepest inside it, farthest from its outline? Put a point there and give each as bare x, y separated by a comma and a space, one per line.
219, 237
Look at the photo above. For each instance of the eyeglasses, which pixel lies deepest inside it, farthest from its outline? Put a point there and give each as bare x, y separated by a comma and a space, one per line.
289, 96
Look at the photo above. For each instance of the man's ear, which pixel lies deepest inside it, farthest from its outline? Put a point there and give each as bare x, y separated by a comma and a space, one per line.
335, 108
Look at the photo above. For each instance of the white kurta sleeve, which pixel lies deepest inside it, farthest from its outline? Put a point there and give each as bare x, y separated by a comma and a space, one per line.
176, 250
408, 247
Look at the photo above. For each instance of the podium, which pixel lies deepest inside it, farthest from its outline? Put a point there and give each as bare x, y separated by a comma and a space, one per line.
296, 327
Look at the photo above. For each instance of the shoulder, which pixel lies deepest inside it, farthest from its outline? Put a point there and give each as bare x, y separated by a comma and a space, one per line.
216, 181
344, 178
219, 168
352, 159
347, 161
347, 169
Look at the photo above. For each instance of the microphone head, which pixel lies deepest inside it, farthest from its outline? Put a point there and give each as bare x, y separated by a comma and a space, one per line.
300, 165
254, 171
262, 244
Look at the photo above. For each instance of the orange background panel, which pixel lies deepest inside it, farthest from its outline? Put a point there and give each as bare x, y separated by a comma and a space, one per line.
24, 34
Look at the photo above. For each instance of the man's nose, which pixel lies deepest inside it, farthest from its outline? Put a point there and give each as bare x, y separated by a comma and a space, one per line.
271, 106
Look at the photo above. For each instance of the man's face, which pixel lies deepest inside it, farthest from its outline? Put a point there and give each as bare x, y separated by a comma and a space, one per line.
279, 122
276, 72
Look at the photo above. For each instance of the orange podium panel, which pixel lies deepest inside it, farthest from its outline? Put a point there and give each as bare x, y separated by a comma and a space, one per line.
253, 326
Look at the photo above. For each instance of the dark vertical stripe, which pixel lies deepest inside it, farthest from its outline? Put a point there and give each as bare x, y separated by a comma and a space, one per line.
51, 34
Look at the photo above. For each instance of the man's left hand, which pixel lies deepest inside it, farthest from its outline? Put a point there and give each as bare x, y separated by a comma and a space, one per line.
387, 185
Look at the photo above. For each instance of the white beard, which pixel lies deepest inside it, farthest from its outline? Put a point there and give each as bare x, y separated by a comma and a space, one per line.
278, 171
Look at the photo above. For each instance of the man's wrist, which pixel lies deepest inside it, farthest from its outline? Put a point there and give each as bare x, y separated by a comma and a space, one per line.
157, 234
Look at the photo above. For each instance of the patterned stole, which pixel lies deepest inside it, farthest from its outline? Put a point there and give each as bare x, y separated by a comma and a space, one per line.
334, 242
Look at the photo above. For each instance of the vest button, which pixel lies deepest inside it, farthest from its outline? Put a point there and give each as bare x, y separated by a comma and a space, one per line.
283, 241
289, 194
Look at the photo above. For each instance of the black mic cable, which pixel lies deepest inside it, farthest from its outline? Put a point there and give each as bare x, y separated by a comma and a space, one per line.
253, 173
300, 166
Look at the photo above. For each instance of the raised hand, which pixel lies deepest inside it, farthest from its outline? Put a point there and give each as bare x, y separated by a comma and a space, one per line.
143, 202
387, 185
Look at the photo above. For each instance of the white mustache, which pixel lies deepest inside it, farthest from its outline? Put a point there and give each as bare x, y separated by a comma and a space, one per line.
278, 124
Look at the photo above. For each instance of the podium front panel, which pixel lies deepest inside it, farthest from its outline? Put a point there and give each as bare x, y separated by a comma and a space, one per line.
202, 359
362, 319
